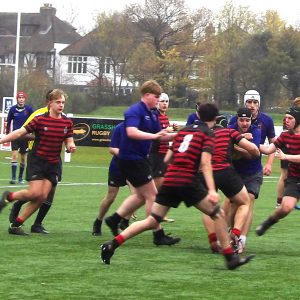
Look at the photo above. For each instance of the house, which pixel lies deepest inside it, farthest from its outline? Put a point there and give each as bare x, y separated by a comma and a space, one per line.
42, 37
53, 46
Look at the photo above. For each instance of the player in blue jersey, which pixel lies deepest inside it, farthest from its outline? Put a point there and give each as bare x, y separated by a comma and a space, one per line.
18, 114
262, 121
193, 116
141, 128
115, 180
249, 168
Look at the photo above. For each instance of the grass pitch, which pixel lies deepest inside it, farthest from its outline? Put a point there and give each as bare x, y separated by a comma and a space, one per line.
65, 264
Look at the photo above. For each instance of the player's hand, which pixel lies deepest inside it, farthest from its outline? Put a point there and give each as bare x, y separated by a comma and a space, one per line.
213, 197
247, 135
267, 169
71, 149
279, 154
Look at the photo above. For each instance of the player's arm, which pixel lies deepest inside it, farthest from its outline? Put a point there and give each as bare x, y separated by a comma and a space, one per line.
206, 168
270, 159
292, 158
135, 133
14, 135
247, 149
168, 157
113, 151
70, 145
267, 149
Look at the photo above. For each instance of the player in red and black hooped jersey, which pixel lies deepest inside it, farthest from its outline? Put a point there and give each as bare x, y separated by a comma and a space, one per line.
51, 131
50, 134
290, 140
187, 149
188, 179
228, 180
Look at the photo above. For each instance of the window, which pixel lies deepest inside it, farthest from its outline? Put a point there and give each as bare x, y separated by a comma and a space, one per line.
77, 64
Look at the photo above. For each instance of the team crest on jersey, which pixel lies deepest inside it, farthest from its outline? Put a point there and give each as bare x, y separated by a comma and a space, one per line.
65, 130
147, 118
259, 125
45, 128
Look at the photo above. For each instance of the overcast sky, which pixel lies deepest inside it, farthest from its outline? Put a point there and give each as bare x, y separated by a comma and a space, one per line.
86, 10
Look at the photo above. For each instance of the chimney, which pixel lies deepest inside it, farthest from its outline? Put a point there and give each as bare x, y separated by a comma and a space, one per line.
47, 12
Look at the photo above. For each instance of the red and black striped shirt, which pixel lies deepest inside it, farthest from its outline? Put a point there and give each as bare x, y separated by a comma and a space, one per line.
289, 142
50, 133
187, 147
161, 146
225, 138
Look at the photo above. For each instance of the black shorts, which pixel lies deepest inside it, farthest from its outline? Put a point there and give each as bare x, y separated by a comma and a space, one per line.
20, 145
158, 166
172, 196
39, 169
253, 182
137, 172
228, 181
292, 187
116, 179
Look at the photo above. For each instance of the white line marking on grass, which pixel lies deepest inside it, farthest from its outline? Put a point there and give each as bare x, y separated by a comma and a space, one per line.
60, 184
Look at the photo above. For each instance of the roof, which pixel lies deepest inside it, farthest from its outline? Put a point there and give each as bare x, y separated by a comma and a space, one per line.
88, 45
38, 32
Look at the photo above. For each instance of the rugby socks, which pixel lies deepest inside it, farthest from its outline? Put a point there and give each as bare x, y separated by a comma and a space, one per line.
115, 218
212, 238
21, 171
118, 241
236, 232
42, 212
18, 222
14, 166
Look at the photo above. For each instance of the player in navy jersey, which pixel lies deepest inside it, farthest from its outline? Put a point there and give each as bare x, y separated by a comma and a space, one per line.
51, 130
193, 116
289, 140
248, 168
188, 179
228, 180
159, 149
115, 180
18, 114
141, 128
262, 121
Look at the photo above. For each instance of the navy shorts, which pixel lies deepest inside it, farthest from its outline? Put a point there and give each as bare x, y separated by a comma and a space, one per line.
116, 179
228, 181
158, 166
20, 145
253, 182
137, 172
172, 196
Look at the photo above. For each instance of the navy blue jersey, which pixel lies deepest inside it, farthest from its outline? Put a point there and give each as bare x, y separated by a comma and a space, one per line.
18, 115
192, 118
263, 122
115, 143
244, 165
139, 116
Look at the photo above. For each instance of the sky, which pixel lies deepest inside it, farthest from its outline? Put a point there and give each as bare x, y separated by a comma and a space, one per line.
84, 12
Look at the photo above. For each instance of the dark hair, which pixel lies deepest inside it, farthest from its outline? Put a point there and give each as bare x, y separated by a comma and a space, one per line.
295, 112
207, 112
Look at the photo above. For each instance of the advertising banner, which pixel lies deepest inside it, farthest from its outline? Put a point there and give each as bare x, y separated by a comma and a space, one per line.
92, 131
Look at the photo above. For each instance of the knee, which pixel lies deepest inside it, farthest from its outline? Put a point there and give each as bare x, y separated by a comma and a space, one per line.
217, 213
